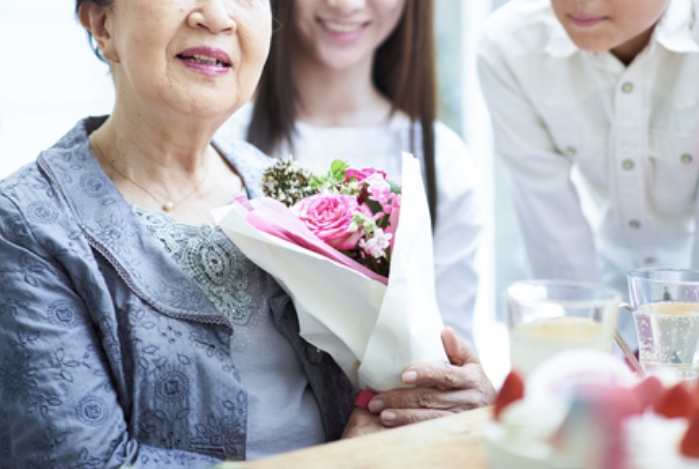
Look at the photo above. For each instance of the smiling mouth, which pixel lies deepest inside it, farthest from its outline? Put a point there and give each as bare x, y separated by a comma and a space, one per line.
342, 28
586, 20
203, 59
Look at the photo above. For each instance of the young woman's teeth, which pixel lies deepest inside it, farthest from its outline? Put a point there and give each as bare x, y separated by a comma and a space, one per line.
342, 28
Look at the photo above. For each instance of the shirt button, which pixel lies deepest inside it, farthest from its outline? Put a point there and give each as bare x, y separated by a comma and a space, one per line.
627, 165
635, 224
627, 87
571, 151
686, 158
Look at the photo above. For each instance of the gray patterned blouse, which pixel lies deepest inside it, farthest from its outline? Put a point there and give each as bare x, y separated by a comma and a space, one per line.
110, 353
282, 417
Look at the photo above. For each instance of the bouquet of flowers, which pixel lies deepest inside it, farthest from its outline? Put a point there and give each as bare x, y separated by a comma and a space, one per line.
353, 211
354, 252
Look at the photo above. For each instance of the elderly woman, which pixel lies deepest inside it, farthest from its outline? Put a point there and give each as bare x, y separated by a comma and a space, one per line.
132, 331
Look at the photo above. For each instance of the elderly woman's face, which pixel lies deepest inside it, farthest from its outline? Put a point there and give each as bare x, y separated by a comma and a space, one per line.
200, 57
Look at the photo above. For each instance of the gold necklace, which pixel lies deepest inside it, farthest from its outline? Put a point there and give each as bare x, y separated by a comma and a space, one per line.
168, 205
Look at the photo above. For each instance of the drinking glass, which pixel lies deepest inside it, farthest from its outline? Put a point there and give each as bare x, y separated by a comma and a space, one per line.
548, 316
665, 304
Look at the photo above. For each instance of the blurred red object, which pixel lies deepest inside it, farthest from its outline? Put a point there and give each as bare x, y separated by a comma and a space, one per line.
649, 391
690, 443
676, 402
512, 390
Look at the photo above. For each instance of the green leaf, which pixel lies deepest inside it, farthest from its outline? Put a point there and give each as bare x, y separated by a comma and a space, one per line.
337, 169
317, 182
374, 206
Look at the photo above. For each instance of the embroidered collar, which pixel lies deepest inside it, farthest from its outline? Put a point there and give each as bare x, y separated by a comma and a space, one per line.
116, 231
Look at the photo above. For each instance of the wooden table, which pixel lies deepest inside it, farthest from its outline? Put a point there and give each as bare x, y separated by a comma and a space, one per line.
449, 442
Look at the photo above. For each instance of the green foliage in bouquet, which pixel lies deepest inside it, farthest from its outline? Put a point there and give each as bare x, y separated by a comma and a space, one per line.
334, 179
287, 182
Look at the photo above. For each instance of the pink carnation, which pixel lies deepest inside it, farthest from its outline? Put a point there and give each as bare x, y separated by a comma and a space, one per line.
362, 174
329, 217
379, 188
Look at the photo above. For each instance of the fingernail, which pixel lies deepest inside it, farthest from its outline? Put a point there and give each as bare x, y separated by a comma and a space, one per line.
409, 377
375, 405
388, 417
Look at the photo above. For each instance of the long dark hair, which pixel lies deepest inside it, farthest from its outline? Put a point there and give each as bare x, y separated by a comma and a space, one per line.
404, 71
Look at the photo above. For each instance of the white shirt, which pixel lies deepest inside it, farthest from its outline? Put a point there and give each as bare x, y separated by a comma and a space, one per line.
603, 158
459, 217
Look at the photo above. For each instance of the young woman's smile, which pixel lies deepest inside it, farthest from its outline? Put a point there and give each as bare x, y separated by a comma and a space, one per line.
342, 34
343, 31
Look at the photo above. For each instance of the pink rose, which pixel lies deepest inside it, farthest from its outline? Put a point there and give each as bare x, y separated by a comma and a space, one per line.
361, 174
329, 217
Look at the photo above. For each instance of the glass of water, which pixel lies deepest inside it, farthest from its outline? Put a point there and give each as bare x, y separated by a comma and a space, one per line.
666, 311
549, 316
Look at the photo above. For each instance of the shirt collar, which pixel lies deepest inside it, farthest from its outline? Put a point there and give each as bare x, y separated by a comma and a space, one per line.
560, 45
675, 28
673, 31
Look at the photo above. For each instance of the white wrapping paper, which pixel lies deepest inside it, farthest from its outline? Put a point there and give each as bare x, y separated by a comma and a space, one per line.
373, 331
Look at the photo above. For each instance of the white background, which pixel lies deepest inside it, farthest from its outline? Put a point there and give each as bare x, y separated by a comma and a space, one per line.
49, 78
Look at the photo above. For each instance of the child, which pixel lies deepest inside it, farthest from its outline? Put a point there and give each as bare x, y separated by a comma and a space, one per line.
595, 108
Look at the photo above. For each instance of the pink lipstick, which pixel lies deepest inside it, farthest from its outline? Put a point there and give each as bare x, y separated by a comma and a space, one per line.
207, 60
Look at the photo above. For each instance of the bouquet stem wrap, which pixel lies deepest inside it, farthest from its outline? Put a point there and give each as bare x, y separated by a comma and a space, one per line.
372, 330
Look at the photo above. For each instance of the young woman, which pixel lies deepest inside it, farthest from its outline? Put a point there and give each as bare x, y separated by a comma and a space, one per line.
355, 80
595, 109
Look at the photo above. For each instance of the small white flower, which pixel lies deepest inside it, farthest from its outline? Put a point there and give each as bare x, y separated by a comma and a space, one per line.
377, 245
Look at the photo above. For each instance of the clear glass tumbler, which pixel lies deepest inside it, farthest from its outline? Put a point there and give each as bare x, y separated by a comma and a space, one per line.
665, 304
549, 316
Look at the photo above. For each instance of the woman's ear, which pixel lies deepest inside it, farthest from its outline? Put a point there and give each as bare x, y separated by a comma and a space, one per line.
95, 18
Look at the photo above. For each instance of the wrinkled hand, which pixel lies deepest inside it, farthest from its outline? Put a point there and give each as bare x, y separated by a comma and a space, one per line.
362, 422
441, 389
